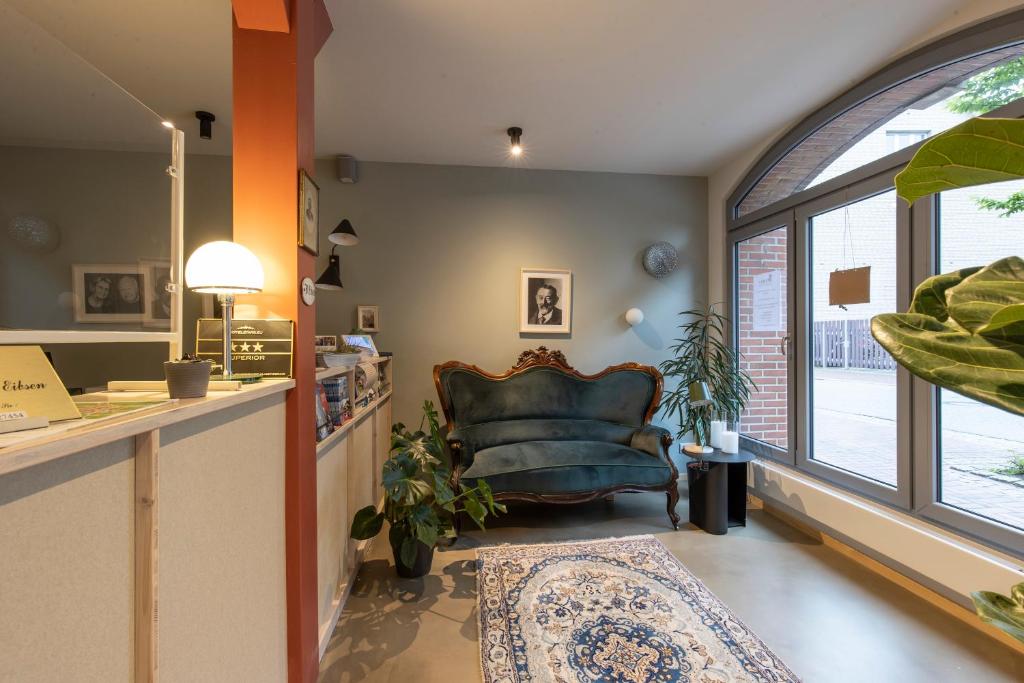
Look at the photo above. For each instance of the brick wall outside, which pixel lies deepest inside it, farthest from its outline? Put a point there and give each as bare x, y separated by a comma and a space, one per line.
766, 416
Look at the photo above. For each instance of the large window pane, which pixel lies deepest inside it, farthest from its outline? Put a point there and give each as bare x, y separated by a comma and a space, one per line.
762, 327
853, 406
981, 449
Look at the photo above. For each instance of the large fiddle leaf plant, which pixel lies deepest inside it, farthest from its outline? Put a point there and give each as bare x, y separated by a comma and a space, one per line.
419, 502
965, 330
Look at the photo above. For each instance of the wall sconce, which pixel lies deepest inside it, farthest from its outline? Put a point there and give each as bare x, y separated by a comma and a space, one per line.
344, 235
331, 277
514, 135
634, 317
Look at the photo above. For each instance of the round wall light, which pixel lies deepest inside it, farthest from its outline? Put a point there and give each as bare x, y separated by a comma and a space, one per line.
634, 317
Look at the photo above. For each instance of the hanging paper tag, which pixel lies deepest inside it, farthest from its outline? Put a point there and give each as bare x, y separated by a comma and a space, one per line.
851, 286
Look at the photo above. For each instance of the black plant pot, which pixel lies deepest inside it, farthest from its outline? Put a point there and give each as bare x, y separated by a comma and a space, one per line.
420, 567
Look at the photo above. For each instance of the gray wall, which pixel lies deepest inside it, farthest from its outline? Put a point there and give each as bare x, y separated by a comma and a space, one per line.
111, 207
441, 247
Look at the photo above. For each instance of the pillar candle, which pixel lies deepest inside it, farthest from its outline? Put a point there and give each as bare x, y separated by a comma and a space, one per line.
730, 442
717, 427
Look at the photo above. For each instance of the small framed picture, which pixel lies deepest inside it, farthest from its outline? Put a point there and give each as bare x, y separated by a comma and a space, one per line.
109, 293
309, 213
158, 302
363, 341
545, 300
367, 319
325, 343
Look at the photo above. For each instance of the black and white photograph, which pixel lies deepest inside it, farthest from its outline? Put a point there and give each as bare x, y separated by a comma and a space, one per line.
109, 293
309, 213
368, 318
157, 275
545, 300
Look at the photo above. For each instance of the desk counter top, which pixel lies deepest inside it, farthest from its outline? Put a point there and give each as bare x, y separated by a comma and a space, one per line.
20, 450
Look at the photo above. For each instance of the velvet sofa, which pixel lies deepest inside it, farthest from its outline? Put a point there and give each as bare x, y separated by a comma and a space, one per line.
544, 432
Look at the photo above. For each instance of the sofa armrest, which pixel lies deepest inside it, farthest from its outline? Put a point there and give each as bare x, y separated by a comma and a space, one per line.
461, 450
652, 440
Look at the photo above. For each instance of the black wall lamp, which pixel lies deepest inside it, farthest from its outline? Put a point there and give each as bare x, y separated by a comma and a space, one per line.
342, 236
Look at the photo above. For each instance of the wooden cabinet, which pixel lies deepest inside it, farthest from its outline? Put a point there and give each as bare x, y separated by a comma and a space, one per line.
348, 478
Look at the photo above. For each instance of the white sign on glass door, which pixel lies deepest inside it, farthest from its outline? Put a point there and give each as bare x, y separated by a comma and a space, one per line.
768, 309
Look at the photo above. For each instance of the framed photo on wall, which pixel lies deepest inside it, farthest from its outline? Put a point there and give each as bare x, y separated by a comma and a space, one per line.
368, 318
109, 293
309, 214
545, 300
157, 311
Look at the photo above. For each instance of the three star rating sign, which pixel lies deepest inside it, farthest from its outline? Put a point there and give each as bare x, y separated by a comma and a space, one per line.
246, 347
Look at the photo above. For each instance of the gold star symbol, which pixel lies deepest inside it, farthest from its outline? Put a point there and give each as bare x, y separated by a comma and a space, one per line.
234, 347
245, 347
257, 347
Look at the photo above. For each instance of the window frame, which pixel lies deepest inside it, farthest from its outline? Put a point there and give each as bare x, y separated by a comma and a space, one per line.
785, 219
900, 495
918, 257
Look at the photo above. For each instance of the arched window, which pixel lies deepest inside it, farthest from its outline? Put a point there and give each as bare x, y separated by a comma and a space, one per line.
830, 401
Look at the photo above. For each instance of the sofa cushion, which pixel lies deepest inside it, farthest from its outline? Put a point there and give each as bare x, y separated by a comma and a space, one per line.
621, 396
488, 434
546, 467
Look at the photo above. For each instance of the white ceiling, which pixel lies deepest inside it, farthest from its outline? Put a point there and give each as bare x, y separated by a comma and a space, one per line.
649, 86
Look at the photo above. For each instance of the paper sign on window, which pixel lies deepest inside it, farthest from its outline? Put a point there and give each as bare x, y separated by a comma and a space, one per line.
851, 286
768, 309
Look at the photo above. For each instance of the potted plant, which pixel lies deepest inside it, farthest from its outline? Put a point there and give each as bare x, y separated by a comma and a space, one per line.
187, 377
419, 503
965, 330
703, 354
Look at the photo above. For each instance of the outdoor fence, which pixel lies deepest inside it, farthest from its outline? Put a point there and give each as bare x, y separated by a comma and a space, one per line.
848, 344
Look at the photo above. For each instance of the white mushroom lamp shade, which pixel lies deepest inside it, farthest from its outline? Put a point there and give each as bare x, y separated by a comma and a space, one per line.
223, 268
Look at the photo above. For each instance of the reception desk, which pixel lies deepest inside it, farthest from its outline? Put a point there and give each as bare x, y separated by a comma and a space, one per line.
148, 543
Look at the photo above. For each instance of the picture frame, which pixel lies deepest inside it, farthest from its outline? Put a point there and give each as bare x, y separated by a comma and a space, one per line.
368, 318
325, 343
309, 214
551, 314
109, 292
363, 341
159, 303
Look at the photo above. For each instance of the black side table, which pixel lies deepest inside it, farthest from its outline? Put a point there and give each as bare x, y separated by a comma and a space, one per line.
718, 494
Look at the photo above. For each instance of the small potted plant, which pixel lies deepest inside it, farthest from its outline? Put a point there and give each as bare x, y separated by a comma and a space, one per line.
419, 503
187, 377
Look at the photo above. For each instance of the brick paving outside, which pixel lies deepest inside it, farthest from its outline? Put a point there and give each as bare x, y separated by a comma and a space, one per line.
855, 429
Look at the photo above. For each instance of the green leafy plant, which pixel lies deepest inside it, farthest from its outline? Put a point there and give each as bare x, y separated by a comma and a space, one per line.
965, 330
1013, 468
419, 503
702, 354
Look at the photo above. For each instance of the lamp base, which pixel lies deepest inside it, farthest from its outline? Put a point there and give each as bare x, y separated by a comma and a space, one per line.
696, 449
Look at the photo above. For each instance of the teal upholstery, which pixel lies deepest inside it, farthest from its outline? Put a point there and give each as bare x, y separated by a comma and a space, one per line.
559, 467
545, 432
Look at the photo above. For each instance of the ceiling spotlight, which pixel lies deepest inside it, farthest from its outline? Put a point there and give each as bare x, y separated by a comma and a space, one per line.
167, 124
514, 133
206, 120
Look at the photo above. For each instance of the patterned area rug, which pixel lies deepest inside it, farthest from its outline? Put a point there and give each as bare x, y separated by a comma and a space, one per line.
610, 610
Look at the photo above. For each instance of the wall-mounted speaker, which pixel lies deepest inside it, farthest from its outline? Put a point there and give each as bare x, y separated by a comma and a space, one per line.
348, 169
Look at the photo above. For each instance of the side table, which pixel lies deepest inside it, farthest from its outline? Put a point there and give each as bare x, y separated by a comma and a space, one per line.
718, 494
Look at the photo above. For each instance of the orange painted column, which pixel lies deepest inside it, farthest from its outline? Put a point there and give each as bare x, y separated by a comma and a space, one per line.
272, 140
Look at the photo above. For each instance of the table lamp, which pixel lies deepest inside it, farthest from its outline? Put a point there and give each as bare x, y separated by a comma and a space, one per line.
700, 398
225, 269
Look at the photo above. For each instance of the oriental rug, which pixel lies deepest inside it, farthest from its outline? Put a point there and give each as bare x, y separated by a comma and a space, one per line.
622, 610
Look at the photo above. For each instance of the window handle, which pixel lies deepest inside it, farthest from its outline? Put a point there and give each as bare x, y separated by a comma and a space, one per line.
784, 346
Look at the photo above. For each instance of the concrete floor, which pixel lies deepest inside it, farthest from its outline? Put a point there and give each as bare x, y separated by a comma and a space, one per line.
826, 616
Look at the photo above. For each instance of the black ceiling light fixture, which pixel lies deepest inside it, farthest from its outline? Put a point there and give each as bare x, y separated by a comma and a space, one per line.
206, 120
344, 235
515, 146
331, 277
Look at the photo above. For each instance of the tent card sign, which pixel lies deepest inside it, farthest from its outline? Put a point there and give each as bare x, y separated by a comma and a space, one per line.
29, 386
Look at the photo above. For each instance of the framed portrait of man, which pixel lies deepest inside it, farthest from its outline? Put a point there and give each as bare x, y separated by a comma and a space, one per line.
545, 300
109, 293
309, 213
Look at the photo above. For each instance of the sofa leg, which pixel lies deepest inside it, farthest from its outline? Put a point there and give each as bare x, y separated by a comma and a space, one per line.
673, 499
